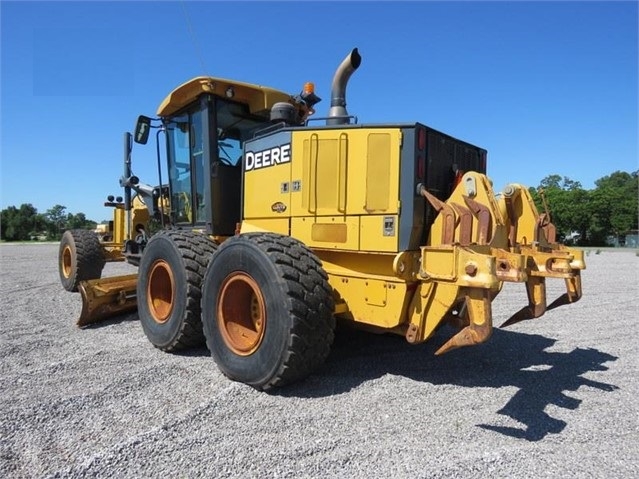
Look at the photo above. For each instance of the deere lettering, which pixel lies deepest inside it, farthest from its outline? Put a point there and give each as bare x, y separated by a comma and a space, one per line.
265, 158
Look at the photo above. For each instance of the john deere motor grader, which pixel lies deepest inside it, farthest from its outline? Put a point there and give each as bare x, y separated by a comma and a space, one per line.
275, 225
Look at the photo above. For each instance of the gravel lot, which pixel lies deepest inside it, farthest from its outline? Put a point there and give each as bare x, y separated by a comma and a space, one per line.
555, 397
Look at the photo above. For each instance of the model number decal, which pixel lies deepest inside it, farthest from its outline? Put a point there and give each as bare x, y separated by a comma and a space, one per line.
265, 158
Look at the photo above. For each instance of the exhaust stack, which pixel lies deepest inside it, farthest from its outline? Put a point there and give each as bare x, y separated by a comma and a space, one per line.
337, 115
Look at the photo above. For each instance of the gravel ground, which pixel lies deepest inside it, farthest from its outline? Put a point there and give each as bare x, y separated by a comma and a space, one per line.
555, 397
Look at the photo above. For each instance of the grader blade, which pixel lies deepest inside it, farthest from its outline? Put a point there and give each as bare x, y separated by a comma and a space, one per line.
107, 297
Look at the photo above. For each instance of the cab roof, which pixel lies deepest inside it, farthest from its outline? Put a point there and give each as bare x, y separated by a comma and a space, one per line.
258, 98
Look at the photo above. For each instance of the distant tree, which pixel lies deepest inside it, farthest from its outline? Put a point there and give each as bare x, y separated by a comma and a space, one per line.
615, 204
57, 220
578, 216
7, 230
551, 182
79, 221
20, 224
611, 208
25, 223
567, 202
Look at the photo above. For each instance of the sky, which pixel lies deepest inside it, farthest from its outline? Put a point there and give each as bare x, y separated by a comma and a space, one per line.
548, 88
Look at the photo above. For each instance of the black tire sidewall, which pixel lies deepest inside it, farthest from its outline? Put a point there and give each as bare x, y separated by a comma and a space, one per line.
259, 367
69, 283
87, 258
162, 335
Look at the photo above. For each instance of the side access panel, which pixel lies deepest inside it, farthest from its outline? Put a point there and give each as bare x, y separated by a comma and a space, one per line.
345, 188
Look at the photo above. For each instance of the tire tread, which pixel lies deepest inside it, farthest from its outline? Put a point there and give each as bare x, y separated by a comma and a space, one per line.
89, 257
195, 250
311, 306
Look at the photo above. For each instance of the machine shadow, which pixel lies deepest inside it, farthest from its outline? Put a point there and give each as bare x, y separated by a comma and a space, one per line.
508, 359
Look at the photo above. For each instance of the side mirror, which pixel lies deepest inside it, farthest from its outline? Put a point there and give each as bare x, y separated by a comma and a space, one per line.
142, 130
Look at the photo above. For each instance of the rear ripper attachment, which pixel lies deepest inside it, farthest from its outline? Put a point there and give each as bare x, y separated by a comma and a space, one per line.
477, 243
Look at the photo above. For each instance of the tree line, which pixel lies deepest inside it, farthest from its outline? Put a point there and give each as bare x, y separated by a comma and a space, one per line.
583, 217
591, 217
25, 223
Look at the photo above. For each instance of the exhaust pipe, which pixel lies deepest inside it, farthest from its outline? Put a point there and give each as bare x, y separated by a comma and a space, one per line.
337, 114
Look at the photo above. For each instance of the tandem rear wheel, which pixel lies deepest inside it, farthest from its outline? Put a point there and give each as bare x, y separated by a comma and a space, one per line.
169, 288
267, 310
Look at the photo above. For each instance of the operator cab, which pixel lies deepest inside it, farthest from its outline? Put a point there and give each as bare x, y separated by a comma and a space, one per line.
204, 153
206, 121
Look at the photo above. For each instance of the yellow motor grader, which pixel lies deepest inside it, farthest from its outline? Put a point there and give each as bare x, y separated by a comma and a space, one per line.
275, 224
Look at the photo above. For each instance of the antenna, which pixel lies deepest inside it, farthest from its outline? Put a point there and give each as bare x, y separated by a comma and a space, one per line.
196, 45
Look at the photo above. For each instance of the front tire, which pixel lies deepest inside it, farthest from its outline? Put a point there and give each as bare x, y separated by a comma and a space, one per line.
80, 258
168, 289
267, 310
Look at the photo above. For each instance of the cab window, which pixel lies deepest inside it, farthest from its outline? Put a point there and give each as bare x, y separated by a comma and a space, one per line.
187, 168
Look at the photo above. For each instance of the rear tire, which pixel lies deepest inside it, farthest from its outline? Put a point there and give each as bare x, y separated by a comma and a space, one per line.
267, 310
80, 258
168, 289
